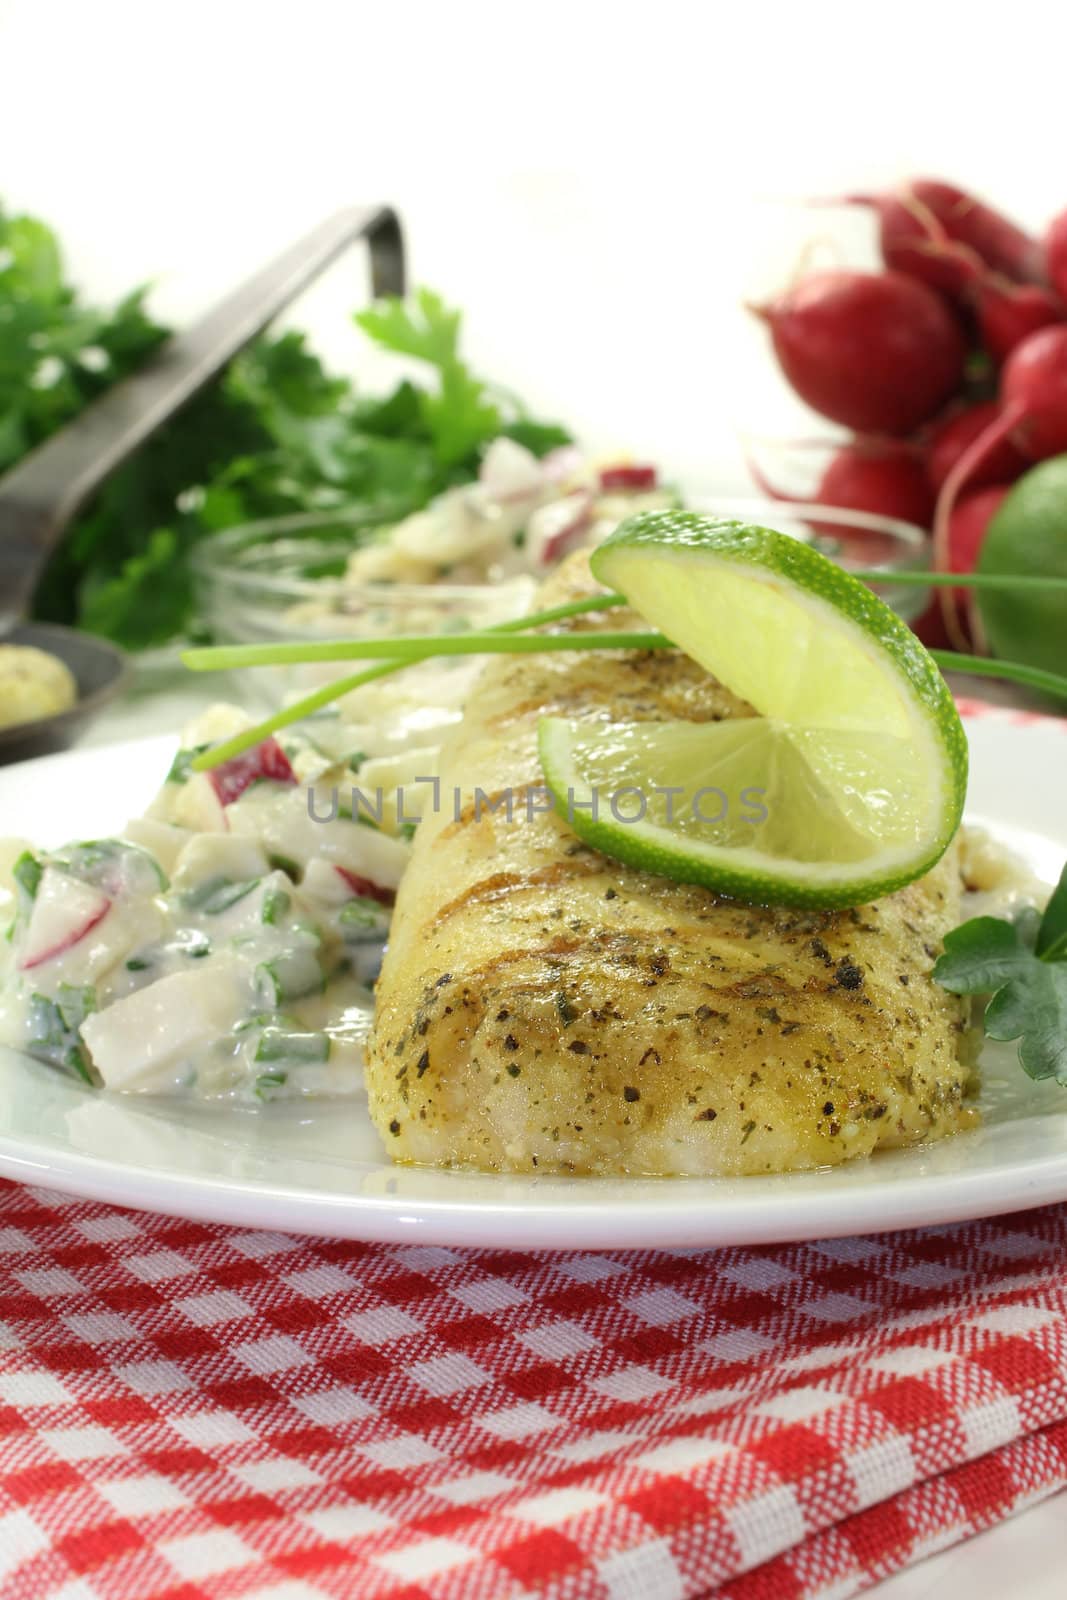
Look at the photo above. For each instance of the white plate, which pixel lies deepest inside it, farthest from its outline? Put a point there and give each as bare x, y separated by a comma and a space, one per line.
324, 1171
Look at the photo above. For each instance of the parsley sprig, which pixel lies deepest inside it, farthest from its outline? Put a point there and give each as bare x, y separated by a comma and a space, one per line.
1022, 966
274, 435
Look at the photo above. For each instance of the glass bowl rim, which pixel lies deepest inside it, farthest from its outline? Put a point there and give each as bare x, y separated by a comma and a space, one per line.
215, 558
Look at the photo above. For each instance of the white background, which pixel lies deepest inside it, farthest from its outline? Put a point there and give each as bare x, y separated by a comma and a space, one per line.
600, 185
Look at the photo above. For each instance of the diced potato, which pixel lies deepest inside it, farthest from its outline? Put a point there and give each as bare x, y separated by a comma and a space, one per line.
219, 855
163, 840
135, 1041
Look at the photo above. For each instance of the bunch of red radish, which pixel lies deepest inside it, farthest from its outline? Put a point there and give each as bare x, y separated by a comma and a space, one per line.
949, 368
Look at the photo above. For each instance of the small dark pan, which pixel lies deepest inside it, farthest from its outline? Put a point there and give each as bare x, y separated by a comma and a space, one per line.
40, 495
100, 670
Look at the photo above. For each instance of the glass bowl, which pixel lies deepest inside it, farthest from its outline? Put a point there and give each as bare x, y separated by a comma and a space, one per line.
282, 580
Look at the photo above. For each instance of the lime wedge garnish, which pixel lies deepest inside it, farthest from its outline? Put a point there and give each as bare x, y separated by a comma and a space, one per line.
850, 780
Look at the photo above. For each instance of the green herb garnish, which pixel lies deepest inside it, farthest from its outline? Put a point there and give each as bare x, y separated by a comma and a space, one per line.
362, 914
517, 639
27, 873
267, 1082
299, 1048
1022, 966
275, 434
276, 903
54, 1026
181, 768
218, 893
290, 977
284, 864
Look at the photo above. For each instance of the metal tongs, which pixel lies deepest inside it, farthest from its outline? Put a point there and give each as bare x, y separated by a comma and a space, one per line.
40, 496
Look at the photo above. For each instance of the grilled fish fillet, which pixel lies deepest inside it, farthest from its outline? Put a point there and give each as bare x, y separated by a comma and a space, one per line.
543, 1007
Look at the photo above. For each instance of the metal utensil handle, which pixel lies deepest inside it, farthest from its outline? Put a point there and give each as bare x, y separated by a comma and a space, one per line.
42, 493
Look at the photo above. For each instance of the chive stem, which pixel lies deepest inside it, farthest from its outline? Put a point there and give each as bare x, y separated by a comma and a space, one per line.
407, 649
1013, 671
308, 704
403, 652
959, 580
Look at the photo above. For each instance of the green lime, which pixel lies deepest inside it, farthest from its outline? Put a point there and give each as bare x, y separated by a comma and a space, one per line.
848, 783
1028, 538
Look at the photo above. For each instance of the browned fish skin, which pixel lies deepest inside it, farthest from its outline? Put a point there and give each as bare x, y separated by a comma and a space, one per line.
542, 1007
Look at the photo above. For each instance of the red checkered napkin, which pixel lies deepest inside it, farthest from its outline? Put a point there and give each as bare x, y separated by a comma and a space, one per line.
190, 1411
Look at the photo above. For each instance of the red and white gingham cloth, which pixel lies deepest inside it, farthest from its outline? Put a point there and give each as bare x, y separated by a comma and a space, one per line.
191, 1411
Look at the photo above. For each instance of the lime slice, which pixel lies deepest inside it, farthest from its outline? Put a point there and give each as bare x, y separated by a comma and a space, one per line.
849, 782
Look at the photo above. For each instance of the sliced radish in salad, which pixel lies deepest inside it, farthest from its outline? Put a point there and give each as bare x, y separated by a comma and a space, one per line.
366, 888
65, 911
627, 476
268, 761
366, 853
553, 529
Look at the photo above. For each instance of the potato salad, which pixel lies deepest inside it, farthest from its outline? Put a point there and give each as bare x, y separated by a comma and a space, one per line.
223, 945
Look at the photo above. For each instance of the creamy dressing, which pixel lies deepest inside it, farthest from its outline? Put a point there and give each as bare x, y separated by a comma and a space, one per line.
996, 881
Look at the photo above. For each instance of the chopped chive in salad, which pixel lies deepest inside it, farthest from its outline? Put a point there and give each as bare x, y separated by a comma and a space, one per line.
218, 894
54, 1025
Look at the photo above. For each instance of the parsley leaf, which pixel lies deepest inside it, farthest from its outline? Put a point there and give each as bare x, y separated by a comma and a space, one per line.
1033, 1009
1022, 965
427, 329
55, 353
462, 416
273, 435
981, 956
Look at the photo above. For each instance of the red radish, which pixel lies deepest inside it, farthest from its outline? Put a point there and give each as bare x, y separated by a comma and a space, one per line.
878, 352
267, 760
1033, 388
952, 437
1033, 413
936, 232
1056, 255
1008, 312
65, 911
886, 478
366, 888
554, 529
890, 482
914, 242
627, 477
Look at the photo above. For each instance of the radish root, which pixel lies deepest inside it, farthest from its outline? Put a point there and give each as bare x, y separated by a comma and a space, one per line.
972, 457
